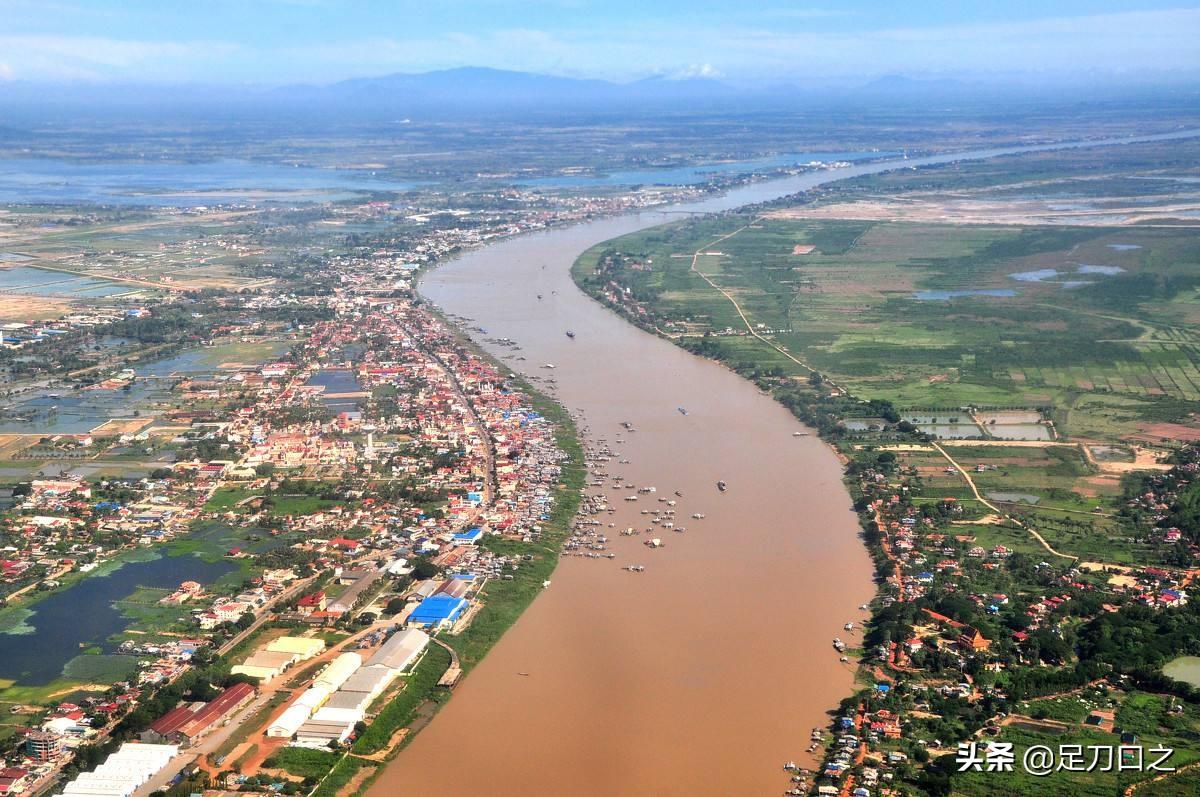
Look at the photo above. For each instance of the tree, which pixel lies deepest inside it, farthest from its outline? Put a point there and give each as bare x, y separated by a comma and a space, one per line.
423, 568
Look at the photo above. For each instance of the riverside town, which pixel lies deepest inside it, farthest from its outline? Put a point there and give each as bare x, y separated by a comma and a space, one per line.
599, 399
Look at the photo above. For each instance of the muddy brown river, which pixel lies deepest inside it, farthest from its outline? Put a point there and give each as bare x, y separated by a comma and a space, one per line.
704, 673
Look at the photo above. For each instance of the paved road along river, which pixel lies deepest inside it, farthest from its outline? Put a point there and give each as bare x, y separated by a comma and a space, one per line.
703, 674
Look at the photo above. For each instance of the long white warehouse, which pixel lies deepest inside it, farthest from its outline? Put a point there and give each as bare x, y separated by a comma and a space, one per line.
123, 771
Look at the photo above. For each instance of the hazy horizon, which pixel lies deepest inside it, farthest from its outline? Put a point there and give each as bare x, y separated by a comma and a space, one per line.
285, 42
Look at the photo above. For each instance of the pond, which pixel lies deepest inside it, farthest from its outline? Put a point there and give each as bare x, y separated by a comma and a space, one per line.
1184, 668
951, 431
941, 296
1013, 498
36, 649
864, 424
1020, 431
337, 382
1054, 276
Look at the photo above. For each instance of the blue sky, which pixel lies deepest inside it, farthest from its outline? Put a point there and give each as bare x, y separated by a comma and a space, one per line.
319, 41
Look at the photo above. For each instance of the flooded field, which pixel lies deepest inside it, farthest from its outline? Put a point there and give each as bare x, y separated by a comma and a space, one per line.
77, 411
27, 180
42, 282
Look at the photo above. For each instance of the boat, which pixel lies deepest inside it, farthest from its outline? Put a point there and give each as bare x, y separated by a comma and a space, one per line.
682, 411
545, 584
539, 297
789, 766
838, 645
722, 486
570, 334
524, 674
848, 626
548, 365
679, 494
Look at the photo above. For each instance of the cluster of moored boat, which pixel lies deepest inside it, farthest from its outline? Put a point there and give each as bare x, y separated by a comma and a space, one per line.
590, 537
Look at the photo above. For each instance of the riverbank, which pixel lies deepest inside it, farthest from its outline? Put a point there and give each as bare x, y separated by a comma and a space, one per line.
503, 604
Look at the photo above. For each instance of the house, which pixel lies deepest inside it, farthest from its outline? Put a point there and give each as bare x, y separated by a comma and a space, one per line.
13, 780
313, 602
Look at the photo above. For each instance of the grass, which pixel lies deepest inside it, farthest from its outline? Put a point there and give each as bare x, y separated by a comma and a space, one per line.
100, 668
341, 775
302, 762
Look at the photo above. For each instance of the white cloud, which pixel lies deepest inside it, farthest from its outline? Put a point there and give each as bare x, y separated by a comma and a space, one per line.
41, 57
697, 71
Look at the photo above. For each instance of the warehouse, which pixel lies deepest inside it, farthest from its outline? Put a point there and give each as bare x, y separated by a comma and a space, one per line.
265, 664
372, 679
315, 696
303, 647
437, 611
455, 588
317, 734
287, 723
339, 670
401, 650
123, 771
350, 701
182, 725
278, 655
327, 725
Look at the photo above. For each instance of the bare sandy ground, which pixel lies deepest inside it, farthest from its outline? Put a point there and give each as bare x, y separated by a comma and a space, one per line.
31, 308
968, 207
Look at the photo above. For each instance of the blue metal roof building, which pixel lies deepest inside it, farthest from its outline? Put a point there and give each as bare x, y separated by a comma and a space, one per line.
469, 537
437, 611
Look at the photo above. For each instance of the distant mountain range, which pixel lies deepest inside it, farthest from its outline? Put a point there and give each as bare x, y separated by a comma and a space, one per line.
479, 89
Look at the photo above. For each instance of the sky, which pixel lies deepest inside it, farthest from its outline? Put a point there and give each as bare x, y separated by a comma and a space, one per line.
277, 42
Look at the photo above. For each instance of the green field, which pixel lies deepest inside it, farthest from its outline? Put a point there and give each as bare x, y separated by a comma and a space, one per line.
1125, 343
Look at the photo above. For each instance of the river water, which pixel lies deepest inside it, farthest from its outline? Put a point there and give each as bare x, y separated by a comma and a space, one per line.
705, 673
